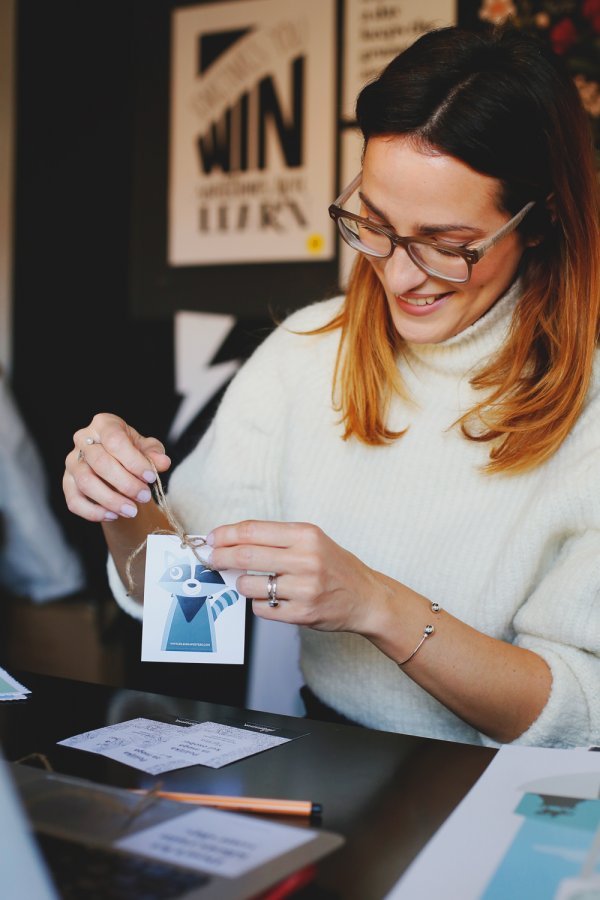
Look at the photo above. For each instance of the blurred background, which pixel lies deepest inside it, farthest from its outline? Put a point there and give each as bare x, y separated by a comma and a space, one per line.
135, 272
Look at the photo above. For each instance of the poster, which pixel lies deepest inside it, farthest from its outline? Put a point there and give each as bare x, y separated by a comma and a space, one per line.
252, 134
376, 31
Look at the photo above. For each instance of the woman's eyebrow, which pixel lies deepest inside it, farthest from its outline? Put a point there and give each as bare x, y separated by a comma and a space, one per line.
425, 229
371, 206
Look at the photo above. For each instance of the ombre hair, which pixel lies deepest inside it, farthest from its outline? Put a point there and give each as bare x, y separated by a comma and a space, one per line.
501, 103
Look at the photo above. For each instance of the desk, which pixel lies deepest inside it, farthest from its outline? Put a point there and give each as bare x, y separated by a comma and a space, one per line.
386, 793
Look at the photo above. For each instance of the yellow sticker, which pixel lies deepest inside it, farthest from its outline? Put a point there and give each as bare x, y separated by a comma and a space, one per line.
315, 243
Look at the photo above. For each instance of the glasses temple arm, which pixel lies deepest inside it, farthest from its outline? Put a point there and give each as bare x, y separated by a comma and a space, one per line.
348, 191
506, 229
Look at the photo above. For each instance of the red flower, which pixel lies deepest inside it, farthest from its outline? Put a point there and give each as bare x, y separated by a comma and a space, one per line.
591, 10
563, 36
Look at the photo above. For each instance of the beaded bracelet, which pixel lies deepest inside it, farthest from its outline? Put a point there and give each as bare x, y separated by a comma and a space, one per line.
429, 629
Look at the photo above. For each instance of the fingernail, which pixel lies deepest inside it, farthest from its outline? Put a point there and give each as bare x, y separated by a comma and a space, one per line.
110, 517
210, 538
149, 476
144, 495
128, 510
205, 553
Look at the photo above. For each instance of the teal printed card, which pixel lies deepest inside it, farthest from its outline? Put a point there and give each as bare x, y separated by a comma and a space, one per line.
192, 613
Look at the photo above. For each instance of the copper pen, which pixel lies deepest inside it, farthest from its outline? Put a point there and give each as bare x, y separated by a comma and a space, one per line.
244, 804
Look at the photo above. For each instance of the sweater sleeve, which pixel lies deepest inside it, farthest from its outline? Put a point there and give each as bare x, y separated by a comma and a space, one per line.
233, 473
560, 621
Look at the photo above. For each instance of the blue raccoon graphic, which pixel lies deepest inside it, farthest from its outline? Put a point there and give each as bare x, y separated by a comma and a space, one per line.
197, 604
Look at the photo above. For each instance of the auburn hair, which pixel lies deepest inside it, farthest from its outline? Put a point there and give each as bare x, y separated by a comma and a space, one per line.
502, 103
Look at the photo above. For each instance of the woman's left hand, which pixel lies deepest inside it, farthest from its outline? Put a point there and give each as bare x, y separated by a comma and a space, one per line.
319, 584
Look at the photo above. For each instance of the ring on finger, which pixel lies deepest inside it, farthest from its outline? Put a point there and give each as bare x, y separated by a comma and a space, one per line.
272, 591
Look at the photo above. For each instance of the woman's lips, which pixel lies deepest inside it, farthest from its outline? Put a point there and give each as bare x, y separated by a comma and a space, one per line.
420, 305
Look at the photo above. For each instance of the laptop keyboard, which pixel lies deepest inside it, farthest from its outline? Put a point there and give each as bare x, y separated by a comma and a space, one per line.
82, 872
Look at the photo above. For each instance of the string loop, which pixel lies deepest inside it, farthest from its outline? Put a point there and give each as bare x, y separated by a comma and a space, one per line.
187, 541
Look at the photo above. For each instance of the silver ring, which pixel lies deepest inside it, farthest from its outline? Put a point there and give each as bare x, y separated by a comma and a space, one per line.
272, 591
90, 440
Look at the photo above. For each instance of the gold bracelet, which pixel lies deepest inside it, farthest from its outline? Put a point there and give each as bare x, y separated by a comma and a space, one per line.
429, 629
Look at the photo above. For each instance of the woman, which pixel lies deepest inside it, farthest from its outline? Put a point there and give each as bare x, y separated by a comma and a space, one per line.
417, 463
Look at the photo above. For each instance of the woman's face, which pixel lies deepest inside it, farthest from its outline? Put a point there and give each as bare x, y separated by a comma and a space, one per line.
431, 195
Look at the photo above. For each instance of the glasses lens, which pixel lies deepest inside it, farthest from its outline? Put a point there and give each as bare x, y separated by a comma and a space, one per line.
363, 238
440, 261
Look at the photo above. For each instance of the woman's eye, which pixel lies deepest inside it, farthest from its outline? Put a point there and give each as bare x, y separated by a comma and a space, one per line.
442, 251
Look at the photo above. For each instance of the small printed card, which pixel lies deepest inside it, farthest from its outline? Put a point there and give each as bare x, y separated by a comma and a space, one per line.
191, 613
155, 747
10, 688
218, 842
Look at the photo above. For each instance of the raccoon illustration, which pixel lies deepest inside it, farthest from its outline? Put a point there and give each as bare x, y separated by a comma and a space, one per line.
197, 604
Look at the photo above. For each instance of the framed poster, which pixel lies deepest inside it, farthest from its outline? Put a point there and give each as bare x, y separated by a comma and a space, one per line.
254, 241
253, 132
376, 31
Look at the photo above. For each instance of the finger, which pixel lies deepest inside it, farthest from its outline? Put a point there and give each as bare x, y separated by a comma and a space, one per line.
270, 534
100, 478
81, 506
143, 456
127, 447
255, 559
284, 612
154, 451
257, 587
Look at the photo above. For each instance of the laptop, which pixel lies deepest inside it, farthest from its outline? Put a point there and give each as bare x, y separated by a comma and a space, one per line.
70, 837
24, 872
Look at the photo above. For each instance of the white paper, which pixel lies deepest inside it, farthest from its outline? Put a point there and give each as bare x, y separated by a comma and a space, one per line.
488, 848
220, 843
156, 747
191, 614
377, 30
10, 688
252, 142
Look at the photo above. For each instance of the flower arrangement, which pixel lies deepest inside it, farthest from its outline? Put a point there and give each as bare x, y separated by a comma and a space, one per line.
572, 29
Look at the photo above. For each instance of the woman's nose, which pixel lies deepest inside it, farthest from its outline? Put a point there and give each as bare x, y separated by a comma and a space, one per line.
402, 274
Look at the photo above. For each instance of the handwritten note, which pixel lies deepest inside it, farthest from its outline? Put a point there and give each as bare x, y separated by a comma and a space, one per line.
221, 843
156, 747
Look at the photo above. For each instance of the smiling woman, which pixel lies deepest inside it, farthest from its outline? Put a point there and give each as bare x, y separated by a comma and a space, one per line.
412, 462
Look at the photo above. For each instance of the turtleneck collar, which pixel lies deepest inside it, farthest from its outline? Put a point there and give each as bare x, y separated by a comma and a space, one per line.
472, 346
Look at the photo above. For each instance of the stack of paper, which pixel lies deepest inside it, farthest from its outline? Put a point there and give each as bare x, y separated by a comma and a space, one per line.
10, 689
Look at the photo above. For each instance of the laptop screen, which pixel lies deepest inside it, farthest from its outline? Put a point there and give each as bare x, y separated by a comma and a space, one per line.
24, 873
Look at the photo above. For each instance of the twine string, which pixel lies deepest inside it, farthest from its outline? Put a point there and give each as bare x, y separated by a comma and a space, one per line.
190, 541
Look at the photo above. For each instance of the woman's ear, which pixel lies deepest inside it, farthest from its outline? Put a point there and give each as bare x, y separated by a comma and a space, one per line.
534, 240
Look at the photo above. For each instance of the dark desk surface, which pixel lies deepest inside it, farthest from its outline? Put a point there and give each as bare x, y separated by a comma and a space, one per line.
386, 793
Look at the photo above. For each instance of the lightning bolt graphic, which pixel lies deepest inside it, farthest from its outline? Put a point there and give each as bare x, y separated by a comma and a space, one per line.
198, 336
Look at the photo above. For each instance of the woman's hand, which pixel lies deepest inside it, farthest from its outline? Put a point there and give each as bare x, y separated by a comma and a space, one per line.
319, 584
109, 469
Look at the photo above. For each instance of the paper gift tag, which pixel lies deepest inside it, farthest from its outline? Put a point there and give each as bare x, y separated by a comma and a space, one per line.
191, 613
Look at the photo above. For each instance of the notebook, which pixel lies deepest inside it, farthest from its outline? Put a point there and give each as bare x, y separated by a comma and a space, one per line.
82, 830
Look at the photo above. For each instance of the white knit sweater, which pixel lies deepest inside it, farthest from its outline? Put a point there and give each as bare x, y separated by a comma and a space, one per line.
515, 556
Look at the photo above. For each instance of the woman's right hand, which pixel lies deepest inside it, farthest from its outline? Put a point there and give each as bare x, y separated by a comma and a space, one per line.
108, 471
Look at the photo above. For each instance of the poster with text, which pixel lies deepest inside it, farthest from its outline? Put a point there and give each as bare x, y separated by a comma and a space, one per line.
253, 129
376, 31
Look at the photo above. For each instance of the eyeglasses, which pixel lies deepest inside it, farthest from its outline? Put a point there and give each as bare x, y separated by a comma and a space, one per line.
434, 257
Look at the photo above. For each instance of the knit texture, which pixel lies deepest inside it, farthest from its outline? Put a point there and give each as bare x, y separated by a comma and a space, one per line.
515, 556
